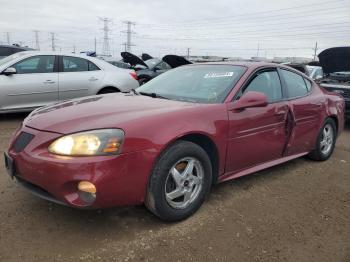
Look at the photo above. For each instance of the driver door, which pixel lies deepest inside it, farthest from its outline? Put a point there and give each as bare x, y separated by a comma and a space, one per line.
35, 84
257, 135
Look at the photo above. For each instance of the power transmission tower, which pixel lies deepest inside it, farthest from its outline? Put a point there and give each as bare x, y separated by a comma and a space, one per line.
106, 51
128, 44
188, 53
315, 51
53, 41
8, 37
36, 35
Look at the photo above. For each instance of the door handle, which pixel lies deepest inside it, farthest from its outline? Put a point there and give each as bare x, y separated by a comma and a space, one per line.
280, 113
93, 79
49, 82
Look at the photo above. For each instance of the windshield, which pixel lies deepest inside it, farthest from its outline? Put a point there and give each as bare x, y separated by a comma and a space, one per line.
152, 62
200, 84
11, 57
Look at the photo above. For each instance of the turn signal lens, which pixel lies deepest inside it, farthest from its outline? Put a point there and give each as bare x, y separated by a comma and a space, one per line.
90, 143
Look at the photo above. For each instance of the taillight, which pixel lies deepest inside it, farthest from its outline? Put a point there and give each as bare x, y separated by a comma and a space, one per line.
134, 75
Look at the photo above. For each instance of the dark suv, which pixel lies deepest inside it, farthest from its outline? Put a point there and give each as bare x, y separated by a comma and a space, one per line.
6, 50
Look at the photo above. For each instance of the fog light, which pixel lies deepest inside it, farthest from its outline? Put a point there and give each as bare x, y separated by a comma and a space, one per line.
87, 191
87, 187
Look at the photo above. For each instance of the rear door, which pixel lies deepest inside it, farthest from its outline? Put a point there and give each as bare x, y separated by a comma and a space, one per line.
258, 135
35, 84
78, 77
305, 110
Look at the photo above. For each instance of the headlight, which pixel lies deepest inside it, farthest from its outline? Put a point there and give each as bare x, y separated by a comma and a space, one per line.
90, 143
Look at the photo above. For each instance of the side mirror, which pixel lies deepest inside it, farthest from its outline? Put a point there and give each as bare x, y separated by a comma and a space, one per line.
156, 69
9, 71
251, 99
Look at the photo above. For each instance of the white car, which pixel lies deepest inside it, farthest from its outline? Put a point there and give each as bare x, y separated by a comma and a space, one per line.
33, 79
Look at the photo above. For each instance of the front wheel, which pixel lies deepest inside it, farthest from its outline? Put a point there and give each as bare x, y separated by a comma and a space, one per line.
180, 181
325, 141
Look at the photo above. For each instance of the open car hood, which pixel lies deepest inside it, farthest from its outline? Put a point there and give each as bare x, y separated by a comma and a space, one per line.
146, 57
133, 60
175, 60
336, 59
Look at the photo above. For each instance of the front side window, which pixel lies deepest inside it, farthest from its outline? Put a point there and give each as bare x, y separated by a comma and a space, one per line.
295, 84
35, 65
199, 84
74, 64
268, 83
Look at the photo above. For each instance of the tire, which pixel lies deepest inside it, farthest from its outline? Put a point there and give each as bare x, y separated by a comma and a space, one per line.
107, 90
325, 141
143, 81
176, 199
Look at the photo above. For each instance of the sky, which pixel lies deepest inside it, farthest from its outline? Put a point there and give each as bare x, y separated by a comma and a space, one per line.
231, 28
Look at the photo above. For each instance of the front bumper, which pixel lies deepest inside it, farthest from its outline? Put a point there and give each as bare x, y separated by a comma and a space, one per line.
119, 180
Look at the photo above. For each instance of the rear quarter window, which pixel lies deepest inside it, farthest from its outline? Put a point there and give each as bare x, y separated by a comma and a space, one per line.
295, 84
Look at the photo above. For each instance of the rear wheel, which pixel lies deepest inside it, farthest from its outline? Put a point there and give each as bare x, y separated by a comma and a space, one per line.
325, 141
180, 181
143, 81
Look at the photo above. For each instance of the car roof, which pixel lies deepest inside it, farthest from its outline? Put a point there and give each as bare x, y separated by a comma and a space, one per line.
35, 52
248, 64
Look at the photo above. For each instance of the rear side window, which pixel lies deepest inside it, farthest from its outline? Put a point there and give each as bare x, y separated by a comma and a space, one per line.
93, 67
308, 84
74, 64
295, 84
266, 82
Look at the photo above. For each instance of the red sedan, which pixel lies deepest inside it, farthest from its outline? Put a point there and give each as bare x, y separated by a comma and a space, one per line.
166, 143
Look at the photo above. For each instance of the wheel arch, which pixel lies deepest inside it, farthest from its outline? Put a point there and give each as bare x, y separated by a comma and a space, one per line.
108, 87
206, 143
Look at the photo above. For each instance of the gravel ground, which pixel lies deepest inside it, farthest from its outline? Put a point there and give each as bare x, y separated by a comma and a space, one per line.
298, 211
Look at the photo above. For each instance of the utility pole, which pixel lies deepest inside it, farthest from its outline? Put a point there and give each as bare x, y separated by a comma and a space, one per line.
258, 50
95, 44
53, 40
8, 38
128, 44
106, 51
188, 53
73, 49
315, 51
36, 35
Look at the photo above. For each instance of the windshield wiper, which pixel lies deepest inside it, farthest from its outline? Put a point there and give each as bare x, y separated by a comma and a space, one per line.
154, 95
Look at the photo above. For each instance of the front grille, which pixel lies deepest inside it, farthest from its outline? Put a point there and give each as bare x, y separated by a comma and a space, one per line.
22, 141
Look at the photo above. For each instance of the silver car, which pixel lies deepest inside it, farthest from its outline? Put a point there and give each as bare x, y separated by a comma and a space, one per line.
33, 79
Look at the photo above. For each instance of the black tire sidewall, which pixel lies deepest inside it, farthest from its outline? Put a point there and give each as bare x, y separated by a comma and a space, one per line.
319, 155
156, 190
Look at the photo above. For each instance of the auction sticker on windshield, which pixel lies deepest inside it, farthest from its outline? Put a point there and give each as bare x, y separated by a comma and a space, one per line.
220, 74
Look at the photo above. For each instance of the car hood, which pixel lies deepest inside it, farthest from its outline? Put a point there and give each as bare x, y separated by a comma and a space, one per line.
175, 60
146, 57
336, 59
132, 59
104, 111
